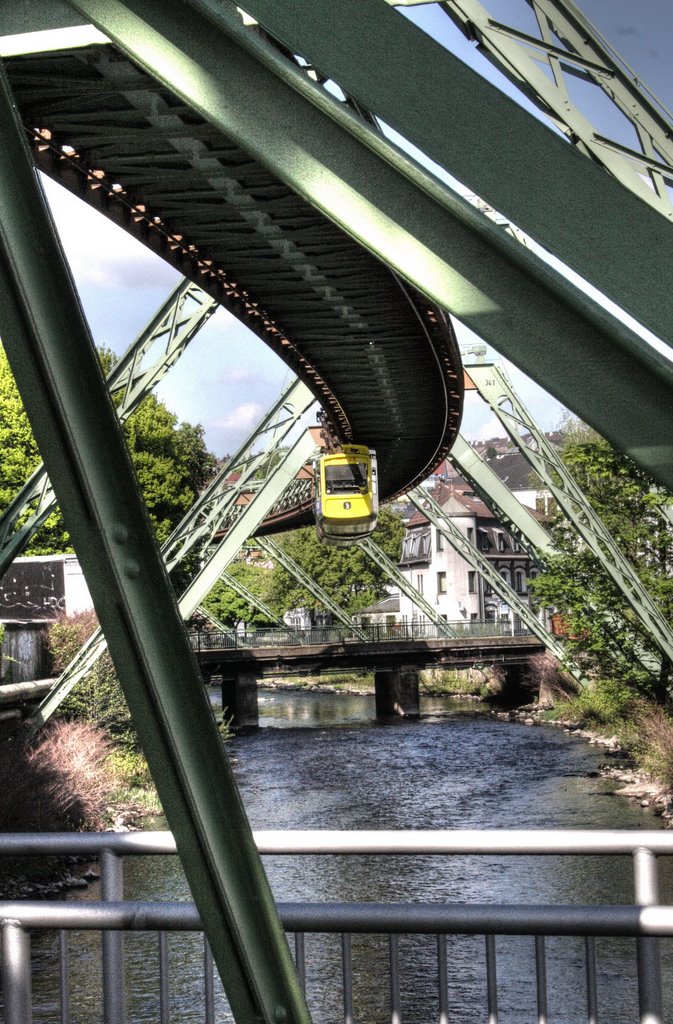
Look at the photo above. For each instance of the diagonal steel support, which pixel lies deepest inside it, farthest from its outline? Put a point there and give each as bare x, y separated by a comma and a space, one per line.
508, 510
430, 235
215, 508
165, 338
257, 602
369, 545
307, 581
55, 364
543, 66
293, 461
544, 459
438, 517
487, 142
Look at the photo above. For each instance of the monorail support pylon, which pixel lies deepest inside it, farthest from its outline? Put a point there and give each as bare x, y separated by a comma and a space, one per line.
53, 359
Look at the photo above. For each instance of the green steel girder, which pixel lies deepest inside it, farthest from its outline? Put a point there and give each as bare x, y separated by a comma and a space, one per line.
431, 236
307, 581
176, 323
438, 517
292, 462
257, 602
546, 462
487, 142
216, 507
378, 556
56, 368
568, 46
508, 510
210, 513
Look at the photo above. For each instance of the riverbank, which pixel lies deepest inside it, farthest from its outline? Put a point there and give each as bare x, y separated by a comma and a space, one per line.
637, 785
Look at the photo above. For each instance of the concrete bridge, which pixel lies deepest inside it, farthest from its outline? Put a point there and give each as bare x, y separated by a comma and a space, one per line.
396, 654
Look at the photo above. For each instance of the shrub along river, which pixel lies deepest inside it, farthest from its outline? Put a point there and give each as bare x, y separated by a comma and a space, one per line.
323, 761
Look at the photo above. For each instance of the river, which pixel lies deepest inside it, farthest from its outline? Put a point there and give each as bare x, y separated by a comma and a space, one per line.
323, 761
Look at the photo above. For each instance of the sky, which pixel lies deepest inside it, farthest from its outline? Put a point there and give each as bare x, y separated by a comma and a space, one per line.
228, 378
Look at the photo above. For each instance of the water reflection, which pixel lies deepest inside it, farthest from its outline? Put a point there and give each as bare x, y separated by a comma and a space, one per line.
322, 761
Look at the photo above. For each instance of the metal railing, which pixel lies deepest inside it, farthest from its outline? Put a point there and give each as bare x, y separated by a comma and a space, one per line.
205, 640
643, 920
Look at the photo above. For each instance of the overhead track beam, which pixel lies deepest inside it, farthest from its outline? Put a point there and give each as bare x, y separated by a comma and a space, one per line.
55, 364
435, 239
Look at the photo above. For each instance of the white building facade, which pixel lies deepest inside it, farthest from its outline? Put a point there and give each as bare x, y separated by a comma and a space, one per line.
441, 574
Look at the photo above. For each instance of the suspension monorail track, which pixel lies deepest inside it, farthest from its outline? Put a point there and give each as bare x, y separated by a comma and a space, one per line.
381, 360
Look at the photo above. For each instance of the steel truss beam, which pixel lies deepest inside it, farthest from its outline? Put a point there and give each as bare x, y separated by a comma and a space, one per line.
426, 504
176, 323
507, 509
307, 581
546, 462
56, 368
211, 512
567, 46
400, 580
257, 602
434, 238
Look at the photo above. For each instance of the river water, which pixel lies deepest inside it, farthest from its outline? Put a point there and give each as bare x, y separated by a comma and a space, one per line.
323, 761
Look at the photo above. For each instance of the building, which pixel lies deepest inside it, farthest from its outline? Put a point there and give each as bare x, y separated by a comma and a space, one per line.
440, 573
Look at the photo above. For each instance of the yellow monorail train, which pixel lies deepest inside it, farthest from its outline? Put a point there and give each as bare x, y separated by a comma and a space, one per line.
346, 494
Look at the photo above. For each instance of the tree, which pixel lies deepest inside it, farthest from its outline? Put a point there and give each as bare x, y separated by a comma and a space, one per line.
348, 575
171, 461
231, 609
601, 628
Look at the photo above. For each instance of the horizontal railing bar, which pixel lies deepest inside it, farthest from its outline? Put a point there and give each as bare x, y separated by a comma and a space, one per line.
369, 918
515, 842
508, 842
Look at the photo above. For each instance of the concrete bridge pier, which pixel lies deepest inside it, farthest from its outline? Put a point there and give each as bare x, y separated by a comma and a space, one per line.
396, 692
239, 699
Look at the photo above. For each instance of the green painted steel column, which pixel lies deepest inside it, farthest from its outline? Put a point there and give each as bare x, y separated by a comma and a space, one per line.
56, 367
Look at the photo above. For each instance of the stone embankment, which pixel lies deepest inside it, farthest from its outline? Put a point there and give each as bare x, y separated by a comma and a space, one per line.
651, 794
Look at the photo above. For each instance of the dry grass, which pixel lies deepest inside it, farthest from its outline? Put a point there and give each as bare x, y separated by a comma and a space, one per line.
61, 780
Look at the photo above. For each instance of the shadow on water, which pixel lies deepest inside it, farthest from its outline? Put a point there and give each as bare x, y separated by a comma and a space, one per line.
322, 761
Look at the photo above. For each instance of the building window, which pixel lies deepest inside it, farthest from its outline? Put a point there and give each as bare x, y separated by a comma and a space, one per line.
483, 542
419, 584
472, 582
439, 542
501, 542
470, 534
441, 582
515, 545
518, 582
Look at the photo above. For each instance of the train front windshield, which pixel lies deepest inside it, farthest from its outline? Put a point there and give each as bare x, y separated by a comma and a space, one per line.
346, 478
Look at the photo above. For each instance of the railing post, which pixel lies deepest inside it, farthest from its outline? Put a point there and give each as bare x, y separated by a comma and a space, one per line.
16, 973
112, 889
648, 949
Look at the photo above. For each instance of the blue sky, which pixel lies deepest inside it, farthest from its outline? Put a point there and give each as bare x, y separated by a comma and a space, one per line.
228, 378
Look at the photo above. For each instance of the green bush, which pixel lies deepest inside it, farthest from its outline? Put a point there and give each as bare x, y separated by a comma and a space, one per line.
608, 702
98, 698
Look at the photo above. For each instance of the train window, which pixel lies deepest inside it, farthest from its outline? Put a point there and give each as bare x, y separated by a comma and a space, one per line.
346, 477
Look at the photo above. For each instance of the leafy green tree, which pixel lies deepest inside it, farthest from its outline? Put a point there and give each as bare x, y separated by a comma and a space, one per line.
601, 628
231, 609
171, 461
348, 575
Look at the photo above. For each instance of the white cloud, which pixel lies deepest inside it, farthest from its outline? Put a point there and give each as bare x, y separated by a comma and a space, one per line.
101, 254
242, 418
